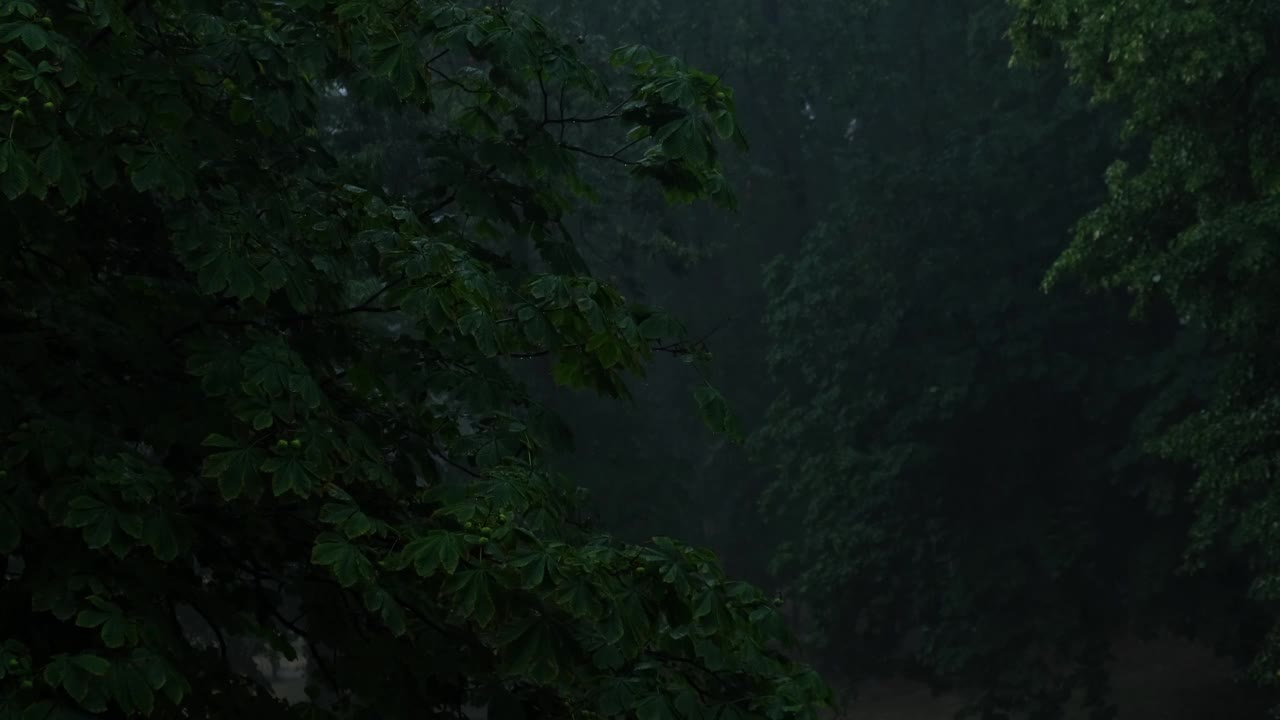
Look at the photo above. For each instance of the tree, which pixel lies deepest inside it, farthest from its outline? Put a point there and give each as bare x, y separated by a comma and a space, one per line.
708, 265
1191, 222
251, 400
962, 456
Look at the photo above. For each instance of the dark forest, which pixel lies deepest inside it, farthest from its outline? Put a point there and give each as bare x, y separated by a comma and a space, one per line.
644, 359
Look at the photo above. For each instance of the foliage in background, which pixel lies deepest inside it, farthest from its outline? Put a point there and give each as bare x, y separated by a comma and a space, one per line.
253, 393
979, 480
964, 459
791, 64
1191, 221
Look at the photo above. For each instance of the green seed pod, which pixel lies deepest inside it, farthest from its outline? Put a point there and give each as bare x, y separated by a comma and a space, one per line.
24, 101
486, 530
296, 443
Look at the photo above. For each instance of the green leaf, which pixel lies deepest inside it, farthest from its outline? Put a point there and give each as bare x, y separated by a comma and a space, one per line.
715, 412
97, 519
16, 177
149, 171
473, 595
378, 600
269, 366
131, 690
115, 632
289, 475
158, 534
654, 707
438, 550
534, 568
31, 35
528, 649
660, 325
276, 108
263, 420
348, 562
235, 470
153, 668
42, 710
724, 123
349, 518
92, 664
608, 657
615, 698
219, 441
49, 163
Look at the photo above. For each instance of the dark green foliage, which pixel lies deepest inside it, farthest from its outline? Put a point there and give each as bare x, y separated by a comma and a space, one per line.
256, 393
1192, 221
654, 467
964, 458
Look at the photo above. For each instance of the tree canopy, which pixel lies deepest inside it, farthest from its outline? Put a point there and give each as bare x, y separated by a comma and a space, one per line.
1190, 222
315, 315
256, 393
988, 475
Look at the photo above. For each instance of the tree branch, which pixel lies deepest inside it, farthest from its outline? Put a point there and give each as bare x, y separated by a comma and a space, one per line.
217, 631
366, 306
580, 120
591, 153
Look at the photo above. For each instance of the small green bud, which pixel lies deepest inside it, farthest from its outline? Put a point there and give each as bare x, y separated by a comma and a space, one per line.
48, 105
470, 525
486, 530
18, 114
24, 101
46, 21
502, 517
296, 443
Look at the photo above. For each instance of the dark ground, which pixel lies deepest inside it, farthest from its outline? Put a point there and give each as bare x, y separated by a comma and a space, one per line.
1165, 680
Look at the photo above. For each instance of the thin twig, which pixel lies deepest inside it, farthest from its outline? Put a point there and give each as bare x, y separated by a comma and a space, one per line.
367, 305
602, 156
